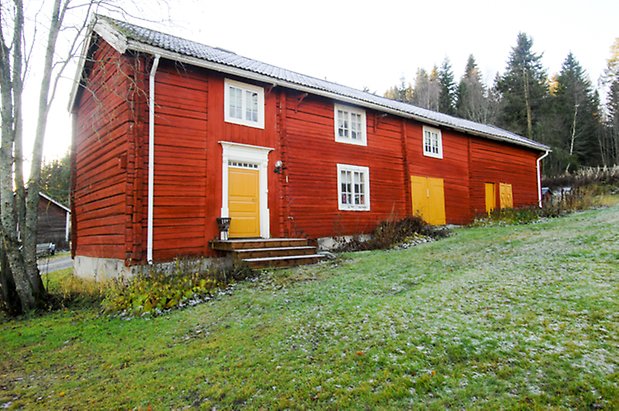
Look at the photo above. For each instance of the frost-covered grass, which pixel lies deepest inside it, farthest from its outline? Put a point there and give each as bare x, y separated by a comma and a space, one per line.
518, 317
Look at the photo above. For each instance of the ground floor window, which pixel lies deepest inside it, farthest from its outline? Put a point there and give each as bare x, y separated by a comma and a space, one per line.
353, 187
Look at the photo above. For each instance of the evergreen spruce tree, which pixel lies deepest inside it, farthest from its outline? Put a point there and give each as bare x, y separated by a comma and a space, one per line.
523, 90
447, 95
576, 130
472, 100
55, 179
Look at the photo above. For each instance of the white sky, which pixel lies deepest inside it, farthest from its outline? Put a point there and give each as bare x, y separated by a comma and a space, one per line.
373, 44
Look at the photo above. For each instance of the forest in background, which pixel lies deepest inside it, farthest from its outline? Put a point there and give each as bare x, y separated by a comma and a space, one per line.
578, 120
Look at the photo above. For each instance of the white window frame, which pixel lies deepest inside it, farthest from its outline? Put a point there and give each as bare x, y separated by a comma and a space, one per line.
366, 182
439, 141
228, 84
336, 120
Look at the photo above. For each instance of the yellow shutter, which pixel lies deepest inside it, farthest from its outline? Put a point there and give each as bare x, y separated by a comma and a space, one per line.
490, 197
505, 194
244, 202
428, 199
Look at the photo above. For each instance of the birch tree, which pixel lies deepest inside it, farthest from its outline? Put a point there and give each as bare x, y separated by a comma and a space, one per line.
427, 89
611, 80
24, 44
474, 99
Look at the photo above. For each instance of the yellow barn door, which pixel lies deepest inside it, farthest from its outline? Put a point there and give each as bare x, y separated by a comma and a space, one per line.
428, 198
490, 197
244, 202
505, 195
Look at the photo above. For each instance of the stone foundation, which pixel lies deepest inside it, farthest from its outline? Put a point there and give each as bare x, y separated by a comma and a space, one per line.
108, 268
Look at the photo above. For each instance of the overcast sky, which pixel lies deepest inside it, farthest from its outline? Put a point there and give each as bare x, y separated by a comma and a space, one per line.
374, 43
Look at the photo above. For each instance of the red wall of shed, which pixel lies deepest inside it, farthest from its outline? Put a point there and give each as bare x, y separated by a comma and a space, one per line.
103, 121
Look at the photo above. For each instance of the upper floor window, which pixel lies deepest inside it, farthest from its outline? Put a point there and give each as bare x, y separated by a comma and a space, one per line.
243, 104
353, 187
350, 125
432, 142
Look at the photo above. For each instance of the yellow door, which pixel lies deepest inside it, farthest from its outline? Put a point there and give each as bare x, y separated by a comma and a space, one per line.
244, 202
428, 199
419, 192
505, 195
490, 197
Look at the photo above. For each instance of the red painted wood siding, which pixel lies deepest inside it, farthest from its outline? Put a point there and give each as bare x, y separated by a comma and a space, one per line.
102, 124
180, 191
219, 130
188, 159
311, 158
495, 162
453, 168
111, 146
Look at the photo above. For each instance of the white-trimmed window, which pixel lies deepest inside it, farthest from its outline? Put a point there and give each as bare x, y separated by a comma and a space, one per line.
243, 104
349, 125
353, 187
432, 142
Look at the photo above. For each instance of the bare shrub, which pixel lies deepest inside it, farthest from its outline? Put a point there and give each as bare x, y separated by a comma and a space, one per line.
607, 177
391, 232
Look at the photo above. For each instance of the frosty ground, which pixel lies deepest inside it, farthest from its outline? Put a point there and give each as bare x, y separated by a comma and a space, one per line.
492, 317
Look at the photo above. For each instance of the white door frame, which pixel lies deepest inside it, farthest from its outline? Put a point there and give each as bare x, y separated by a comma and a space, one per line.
255, 155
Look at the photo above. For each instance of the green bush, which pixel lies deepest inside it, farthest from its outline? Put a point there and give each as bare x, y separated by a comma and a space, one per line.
157, 291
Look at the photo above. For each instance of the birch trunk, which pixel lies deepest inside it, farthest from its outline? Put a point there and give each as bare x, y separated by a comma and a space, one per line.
11, 89
34, 182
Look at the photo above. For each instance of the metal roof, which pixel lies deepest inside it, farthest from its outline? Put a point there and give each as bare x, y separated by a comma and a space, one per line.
127, 36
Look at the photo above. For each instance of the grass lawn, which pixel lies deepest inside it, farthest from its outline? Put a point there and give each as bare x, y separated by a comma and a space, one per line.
517, 317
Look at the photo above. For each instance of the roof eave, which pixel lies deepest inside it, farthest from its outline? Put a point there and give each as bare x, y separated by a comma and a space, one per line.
111, 34
51, 200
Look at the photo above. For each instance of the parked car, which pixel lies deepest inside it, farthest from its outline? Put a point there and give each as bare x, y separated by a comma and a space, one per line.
45, 249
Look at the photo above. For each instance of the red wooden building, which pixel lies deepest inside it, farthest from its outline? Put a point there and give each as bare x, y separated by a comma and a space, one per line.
170, 134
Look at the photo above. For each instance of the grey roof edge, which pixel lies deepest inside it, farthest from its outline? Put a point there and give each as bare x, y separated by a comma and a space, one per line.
51, 200
126, 36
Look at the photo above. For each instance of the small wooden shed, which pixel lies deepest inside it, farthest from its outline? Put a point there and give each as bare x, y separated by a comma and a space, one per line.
54, 222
